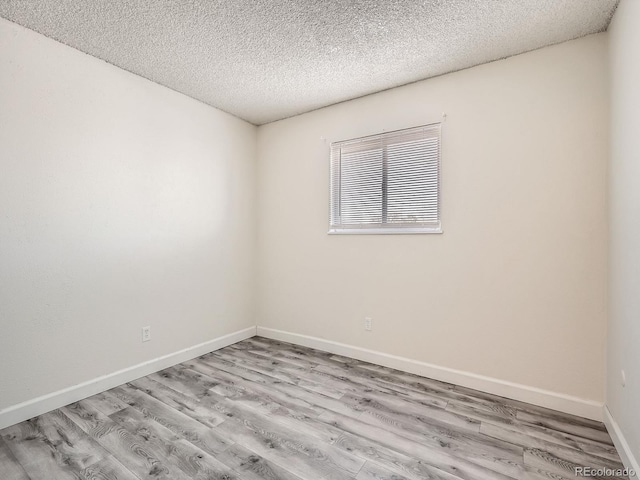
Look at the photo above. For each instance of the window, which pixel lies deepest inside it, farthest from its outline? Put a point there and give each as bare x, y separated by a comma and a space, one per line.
387, 183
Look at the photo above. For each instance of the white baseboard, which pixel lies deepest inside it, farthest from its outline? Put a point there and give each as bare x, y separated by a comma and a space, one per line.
544, 398
46, 403
524, 393
627, 456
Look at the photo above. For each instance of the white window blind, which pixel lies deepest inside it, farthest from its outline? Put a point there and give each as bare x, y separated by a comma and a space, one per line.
387, 183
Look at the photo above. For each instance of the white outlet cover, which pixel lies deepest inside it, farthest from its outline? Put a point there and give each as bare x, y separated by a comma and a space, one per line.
624, 378
146, 334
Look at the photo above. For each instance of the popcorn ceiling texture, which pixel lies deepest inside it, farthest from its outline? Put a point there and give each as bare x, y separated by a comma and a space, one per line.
267, 60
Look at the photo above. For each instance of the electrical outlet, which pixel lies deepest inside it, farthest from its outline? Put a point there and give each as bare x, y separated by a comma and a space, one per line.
368, 324
624, 378
146, 334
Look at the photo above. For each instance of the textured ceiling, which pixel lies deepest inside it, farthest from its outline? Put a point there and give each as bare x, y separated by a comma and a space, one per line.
270, 59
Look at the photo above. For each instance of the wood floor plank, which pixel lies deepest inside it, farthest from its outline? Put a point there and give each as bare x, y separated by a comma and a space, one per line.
406, 379
107, 403
409, 384
312, 447
435, 454
561, 438
280, 374
317, 357
180, 424
406, 412
238, 370
309, 397
289, 452
92, 421
108, 469
265, 410
9, 465
189, 386
308, 362
590, 453
425, 394
473, 446
566, 426
391, 460
337, 382
130, 450
366, 448
194, 462
549, 462
51, 446
533, 473
264, 395
368, 380
252, 466
371, 471
534, 409
179, 401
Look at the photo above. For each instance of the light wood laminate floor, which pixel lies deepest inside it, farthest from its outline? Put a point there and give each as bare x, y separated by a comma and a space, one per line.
262, 409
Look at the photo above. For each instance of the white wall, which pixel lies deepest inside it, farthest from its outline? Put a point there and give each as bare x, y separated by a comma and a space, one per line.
122, 204
624, 209
515, 288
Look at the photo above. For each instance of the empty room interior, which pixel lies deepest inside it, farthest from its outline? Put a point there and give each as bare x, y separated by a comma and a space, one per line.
352, 239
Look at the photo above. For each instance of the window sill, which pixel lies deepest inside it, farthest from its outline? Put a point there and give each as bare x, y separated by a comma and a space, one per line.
384, 231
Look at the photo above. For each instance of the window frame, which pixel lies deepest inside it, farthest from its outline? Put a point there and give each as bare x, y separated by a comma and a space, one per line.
384, 228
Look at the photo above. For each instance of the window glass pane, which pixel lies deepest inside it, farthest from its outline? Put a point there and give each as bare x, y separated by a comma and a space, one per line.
412, 182
361, 187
